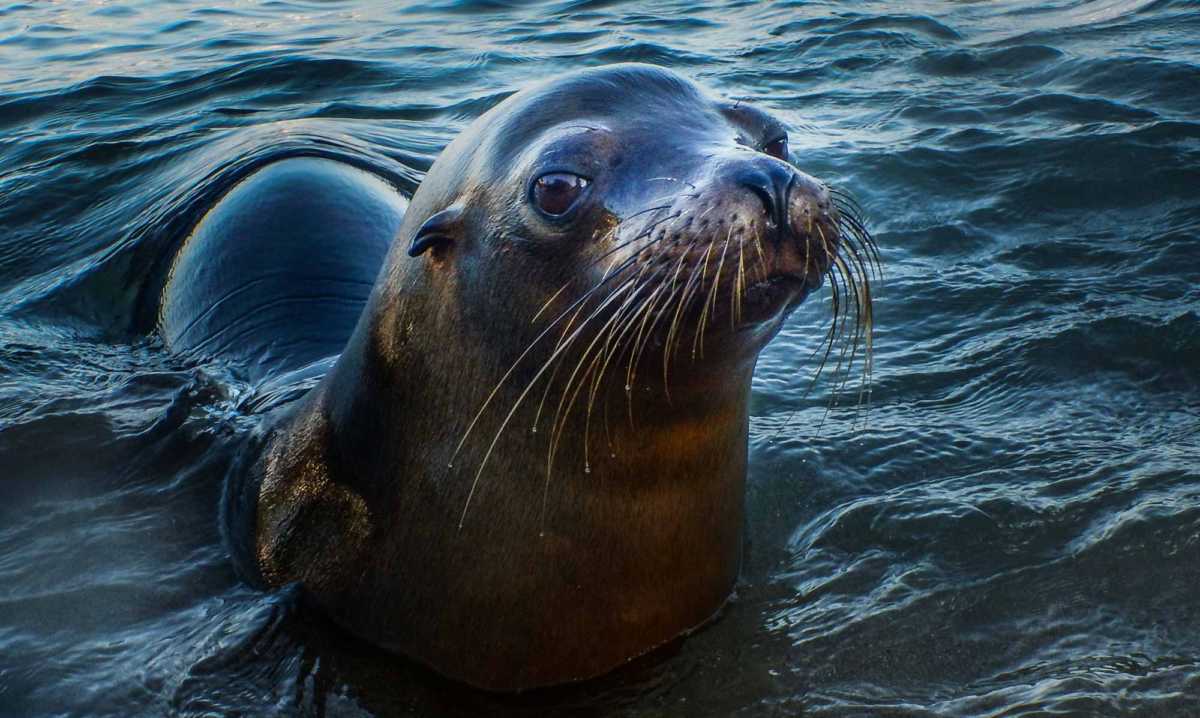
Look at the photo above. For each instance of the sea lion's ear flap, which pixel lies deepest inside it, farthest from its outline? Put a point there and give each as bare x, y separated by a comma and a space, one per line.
438, 230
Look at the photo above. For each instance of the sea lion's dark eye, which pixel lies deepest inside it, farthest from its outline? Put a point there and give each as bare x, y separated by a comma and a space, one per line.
556, 192
777, 148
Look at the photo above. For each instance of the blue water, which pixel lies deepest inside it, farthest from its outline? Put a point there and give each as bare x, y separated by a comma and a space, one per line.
1010, 526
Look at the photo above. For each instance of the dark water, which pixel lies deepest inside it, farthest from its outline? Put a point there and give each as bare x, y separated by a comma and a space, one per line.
1013, 529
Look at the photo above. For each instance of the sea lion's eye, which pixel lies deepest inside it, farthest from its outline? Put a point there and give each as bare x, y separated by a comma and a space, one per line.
555, 193
777, 148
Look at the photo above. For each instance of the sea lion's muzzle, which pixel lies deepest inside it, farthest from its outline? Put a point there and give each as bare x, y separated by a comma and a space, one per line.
750, 239
799, 235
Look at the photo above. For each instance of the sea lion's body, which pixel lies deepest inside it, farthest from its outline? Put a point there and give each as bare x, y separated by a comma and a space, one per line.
276, 274
433, 494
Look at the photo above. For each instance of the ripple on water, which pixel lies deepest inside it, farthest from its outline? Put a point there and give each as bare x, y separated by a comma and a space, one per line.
1005, 524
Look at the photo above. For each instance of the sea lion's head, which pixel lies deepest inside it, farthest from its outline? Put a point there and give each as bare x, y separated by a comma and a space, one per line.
607, 227
626, 199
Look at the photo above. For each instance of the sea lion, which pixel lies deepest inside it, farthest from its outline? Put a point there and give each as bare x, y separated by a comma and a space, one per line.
527, 465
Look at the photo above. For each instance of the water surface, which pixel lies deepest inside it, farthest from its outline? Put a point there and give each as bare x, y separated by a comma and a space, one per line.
1012, 528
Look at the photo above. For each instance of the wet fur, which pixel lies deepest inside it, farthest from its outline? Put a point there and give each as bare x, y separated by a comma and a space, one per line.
528, 465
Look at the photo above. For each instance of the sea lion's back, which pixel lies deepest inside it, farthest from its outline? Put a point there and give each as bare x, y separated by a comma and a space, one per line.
275, 275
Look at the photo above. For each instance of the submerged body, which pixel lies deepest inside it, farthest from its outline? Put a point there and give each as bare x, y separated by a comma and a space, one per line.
527, 465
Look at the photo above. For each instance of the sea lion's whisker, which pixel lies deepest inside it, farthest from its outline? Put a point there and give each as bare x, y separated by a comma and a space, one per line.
630, 261
646, 332
701, 215
844, 271
862, 346
671, 345
762, 259
537, 416
560, 419
847, 287
661, 291
549, 301
851, 238
868, 323
659, 313
835, 288
647, 311
866, 265
597, 371
698, 335
847, 278
836, 309
650, 314
853, 227
641, 311
850, 218
846, 202
738, 286
708, 303
516, 404
614, 249
562, 337
812, 383
837, 279
552, 441
557, 425
851, 221
611, 345
685, 302
844, 198
618, 340
835, 331
808, 267
492, 394
858, 274
639, 317
587, 420
674, 322
619, 329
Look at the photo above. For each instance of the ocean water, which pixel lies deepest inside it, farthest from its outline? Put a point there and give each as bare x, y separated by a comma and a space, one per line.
1009, 527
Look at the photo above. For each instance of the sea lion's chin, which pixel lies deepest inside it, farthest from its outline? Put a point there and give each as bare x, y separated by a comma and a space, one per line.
773, 298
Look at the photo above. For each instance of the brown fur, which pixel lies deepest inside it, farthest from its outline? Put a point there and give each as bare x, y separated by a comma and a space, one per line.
495, 565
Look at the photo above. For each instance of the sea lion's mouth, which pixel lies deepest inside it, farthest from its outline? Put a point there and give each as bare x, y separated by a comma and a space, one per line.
791, 268
775, 288
767, 298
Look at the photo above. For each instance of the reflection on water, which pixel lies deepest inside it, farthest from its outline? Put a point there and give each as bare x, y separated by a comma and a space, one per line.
1012, 527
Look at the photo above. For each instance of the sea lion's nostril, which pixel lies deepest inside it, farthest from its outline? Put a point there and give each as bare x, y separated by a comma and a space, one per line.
767, 198
764, 196
770, 182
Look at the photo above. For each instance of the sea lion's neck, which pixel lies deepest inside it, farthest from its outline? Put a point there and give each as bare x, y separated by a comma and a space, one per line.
408, 405
621, 542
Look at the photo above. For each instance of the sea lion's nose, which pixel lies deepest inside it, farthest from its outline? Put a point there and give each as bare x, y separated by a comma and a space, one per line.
770, 180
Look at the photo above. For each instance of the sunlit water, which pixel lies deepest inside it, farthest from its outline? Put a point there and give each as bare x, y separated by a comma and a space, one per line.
1010, 526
